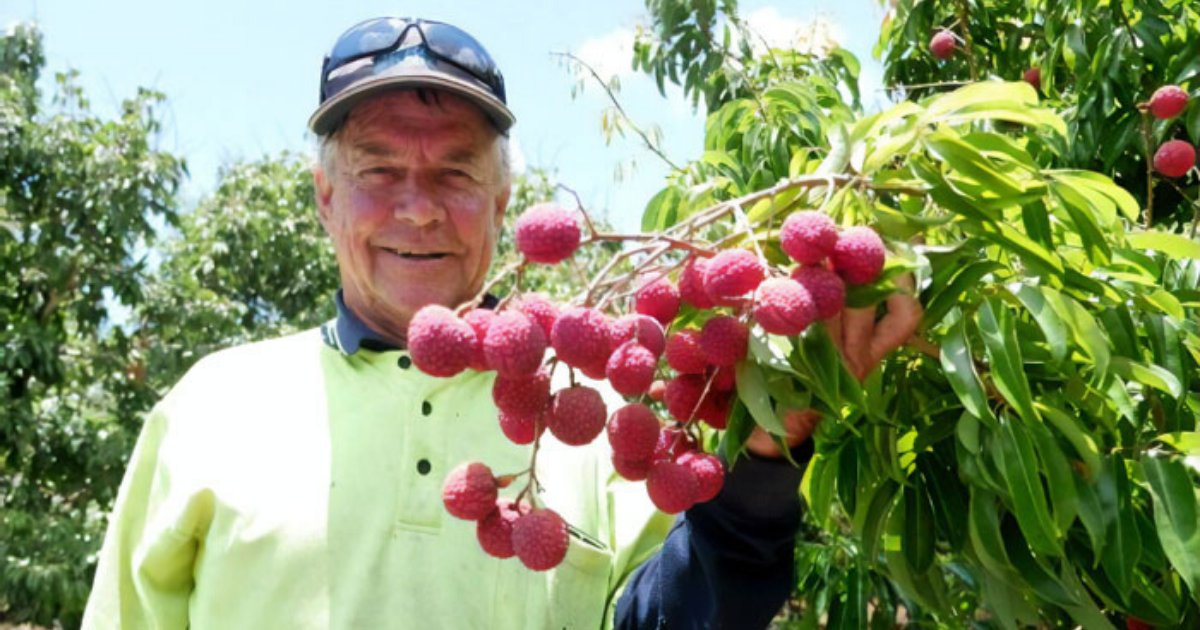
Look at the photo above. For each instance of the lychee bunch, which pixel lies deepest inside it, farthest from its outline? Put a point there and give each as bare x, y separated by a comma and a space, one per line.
547, 233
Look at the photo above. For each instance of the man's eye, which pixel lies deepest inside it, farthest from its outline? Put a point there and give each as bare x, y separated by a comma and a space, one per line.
454, 173
377, 173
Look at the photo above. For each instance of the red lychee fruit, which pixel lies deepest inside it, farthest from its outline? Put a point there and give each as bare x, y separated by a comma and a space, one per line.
724, 340
547, 233
522, 395
514, 344
808, 237
828, 291
723, 378
640, 328
714, 411
673, 442
710, 474
632, 469
783, 306
440, 343
859, 255
522, 428
732, 274
691, 284
682, 397
469, 491
1173, 159
1168, 101
658, 389
942, 45
540, 309
1033, 76
658, 299
494, 531
1134, 623
633, 432
630, 369
672, 487
577, 415
479, 319
684, 353
580, 338
539, 539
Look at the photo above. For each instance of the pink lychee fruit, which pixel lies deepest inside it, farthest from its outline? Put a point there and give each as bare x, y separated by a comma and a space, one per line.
783, 306
469, 491
673, 442
479, 319
808, 237
684, 353
732, 274
942, 45
580, 338
522, 428
724, 340
523, 395
633, 432
640, 328
672, 487
514, 344
710, 473
1168, 101
494, 531
539, 539
630, 369
691, 284
827, 289
1033, 76
658, 299
859, 255
547, 233
540, 309
440, 343
577, 415
1173, 159
632, 469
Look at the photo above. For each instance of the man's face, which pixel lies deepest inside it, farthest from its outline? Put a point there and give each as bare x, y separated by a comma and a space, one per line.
413, 200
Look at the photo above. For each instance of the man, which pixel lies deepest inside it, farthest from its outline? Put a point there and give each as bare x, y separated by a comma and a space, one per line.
295, 483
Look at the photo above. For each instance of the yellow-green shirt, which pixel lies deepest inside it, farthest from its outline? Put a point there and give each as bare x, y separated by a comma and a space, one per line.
285, 484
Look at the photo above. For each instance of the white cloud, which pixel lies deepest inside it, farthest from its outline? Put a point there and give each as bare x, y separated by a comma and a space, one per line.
773, 29
610, 54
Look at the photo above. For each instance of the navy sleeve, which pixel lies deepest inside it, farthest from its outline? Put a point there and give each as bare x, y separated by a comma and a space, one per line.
727, 563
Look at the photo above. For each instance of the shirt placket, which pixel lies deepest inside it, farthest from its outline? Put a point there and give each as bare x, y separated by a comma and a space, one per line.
422, 454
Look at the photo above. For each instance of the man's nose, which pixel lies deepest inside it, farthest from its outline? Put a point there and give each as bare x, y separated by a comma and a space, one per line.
419, 203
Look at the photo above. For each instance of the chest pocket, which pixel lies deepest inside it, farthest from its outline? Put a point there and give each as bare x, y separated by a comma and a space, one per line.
578, 592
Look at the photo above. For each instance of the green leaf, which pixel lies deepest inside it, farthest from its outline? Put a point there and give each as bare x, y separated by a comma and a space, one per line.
1086, 331
1149, 375
959, 367
1069, 426
1048, 320
1004, 357
872, 517
1176, 517
1063, 501
1124, 546
1093, 184
662, 210
1014, 455
1173, 245
752, 391
963, 158
965, 281
737, 431
919, 534
1186, 442
983, 530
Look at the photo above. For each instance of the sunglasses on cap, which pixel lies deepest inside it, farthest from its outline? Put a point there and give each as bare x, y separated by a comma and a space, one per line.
444, 42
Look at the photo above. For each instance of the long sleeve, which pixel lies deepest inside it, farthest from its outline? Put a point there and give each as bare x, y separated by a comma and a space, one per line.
144, 575
727, 563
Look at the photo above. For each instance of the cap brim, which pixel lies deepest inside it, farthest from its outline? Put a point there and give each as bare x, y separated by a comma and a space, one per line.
334, 109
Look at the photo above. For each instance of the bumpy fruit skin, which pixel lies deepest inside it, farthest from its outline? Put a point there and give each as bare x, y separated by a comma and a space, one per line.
684, 353
640, 328
783, 306
1168, 101
522, 428
539, 539
440, 343
540, 309
731, 274
683, 396
724, 340
632, 469
1173, 159
630, 369
547, 233
808, 237
514, 344
672, 487
479, 319
1033, 76
469, 492
859, 255
633, 432
710, 474
723, 379
577, 415
942, 45
658, 299
715, 410
828, 291
580, 339
691, 284
522, 395
494, 531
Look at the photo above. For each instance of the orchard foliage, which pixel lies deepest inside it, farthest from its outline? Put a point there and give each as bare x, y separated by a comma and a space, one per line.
1031, 459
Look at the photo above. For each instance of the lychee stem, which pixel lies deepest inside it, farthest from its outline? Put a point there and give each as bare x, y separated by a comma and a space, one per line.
579, 206
513, 267
968, 48
1148, 140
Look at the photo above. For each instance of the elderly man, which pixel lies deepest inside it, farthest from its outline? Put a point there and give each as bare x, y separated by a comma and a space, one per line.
295, 483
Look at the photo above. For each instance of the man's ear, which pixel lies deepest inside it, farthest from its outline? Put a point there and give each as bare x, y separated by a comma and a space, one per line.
502, 206
323, 190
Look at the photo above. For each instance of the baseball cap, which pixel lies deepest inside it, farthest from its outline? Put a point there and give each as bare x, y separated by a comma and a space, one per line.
388, 53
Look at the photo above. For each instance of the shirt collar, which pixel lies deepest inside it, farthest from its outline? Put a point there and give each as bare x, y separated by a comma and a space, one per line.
347, 333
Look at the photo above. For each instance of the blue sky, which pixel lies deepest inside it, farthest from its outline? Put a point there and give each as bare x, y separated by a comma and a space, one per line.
241, 77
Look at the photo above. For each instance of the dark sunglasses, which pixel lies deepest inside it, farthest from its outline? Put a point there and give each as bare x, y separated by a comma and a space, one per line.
444, 42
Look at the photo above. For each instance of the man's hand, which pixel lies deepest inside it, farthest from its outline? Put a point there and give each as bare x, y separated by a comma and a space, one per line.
863, 343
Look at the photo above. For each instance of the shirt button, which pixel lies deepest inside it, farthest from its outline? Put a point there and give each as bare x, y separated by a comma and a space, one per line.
423, 467
404, 362
426, 408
